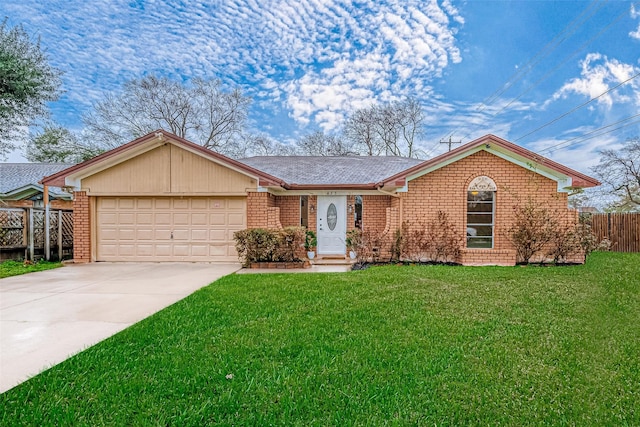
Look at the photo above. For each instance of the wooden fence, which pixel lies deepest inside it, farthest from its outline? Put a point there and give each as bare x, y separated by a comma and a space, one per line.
23, 233
622, 229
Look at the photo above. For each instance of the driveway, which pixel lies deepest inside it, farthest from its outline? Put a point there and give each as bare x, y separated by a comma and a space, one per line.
46, 317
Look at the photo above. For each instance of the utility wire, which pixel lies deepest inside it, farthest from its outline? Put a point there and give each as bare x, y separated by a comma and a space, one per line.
577, 108
603, 133
570, 56
550, 46
581, 138
542, 53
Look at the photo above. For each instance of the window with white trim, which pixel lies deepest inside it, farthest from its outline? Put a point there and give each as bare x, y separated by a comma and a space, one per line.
481, 197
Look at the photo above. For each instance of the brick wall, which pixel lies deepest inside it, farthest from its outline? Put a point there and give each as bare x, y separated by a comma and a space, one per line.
81, 227
446, 188
289, 210
258, 205
374, 212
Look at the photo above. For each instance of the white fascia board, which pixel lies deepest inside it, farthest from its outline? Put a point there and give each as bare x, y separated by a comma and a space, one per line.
445, 163
563, 181
277, 192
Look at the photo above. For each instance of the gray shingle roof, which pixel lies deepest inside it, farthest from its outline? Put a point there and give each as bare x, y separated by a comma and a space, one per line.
319, 170
18, 175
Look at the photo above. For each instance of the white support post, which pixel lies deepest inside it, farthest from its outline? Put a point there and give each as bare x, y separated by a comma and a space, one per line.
60, 235
31, 236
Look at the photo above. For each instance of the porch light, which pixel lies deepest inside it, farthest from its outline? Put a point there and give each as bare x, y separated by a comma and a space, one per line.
350, 208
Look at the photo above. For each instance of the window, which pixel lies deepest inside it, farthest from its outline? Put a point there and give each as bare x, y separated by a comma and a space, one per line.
480, 212
357, 213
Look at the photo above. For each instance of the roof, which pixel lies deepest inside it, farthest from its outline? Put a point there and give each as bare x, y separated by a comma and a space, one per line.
19, 177
330, 172
501, 148
305, 171
151, 140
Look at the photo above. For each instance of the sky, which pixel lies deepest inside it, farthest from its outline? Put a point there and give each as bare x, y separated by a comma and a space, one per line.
542, 74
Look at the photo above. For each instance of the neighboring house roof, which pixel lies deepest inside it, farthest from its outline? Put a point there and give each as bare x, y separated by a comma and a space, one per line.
69, 177
19, 181
344, 171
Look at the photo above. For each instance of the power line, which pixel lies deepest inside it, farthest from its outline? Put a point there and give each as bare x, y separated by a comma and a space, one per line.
542, 53
570, 56
450, 142
577, 108
581, 138
569, 29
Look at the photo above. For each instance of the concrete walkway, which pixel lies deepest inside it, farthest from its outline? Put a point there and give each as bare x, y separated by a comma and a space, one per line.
48, 316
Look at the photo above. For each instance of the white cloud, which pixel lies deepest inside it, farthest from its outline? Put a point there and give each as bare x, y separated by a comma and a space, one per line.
599, 74
318, 58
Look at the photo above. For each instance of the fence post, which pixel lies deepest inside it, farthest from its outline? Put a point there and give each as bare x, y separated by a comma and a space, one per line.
60, 235
31, 236
47, 233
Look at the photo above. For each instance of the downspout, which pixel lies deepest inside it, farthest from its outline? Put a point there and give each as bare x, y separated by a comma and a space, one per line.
396, 195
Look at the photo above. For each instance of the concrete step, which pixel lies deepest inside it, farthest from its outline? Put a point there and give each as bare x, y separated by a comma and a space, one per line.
332, 261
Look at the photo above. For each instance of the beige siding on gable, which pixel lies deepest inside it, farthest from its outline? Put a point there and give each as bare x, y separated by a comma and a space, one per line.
168, 170
191, 173
144, 174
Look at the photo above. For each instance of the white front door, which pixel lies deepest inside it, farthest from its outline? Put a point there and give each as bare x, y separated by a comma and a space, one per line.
332, 225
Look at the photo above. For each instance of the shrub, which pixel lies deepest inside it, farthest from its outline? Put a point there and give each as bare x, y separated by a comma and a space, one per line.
290, 244
261, 245
534, 227
437, 241
367, 244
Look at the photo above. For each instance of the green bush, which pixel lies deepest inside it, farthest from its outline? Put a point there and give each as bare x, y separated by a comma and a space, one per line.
262, 245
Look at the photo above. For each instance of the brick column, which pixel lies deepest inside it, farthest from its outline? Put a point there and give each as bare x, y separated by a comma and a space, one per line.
81, 227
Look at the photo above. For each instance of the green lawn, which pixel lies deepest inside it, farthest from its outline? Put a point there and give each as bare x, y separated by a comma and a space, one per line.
421, 345
15, 268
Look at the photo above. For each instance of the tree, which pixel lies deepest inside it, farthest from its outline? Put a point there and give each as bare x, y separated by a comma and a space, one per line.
619, 171
319, 144
200, 112
263, 145
58, 145
27, 83
392, 129
360, 129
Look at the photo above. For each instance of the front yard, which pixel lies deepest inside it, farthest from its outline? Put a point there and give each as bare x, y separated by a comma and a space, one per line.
423, 345
15, 268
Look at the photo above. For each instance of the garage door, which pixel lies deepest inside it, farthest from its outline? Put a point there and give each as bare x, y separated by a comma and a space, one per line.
168, 228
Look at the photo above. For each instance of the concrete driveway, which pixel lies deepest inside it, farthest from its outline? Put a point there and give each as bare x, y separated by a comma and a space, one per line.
48, 316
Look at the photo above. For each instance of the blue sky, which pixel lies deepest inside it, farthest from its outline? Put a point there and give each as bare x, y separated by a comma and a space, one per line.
502, 67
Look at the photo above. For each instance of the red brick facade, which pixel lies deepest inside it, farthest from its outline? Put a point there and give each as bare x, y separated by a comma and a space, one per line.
444, 189
289, 210
81, 227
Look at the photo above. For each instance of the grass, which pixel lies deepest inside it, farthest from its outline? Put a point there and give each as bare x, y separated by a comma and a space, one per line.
15, 268
416, 345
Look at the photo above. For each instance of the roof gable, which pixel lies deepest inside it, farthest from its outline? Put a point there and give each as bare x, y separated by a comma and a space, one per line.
564, 176
72, 176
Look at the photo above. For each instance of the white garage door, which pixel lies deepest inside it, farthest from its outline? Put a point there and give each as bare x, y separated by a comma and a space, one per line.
168, 228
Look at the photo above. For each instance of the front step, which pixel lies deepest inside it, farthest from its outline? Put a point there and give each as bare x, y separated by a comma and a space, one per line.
332, 260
